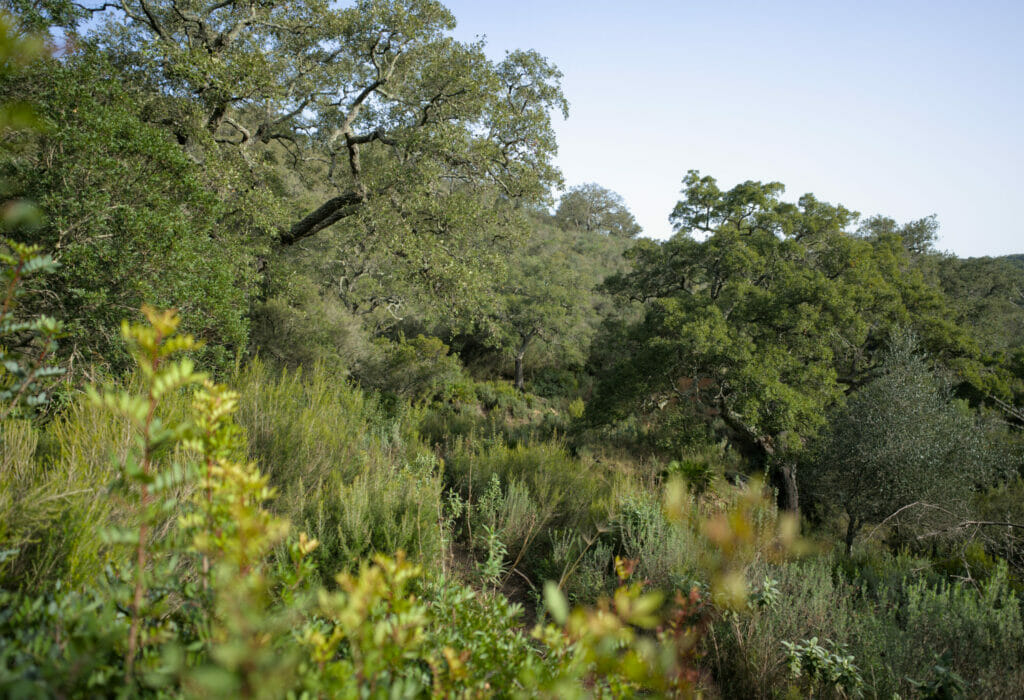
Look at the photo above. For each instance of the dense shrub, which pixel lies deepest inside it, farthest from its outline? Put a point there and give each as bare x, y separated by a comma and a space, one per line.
901, 448
129, 215
351, 474
413, 369
54, 483
896, 629
224, 604
578, 492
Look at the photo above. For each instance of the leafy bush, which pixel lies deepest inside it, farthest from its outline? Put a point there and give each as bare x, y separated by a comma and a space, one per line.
132, 215
301, 327
27, 343
900, 448
821, 669
223, 605
576, 492
416, 369
551, 382
60, 644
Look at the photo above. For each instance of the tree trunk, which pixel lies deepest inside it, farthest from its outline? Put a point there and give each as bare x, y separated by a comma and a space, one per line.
851, 531
784, 476
520, 352
331, 211
760, 451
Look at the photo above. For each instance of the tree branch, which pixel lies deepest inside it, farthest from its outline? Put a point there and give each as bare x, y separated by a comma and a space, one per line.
330, 212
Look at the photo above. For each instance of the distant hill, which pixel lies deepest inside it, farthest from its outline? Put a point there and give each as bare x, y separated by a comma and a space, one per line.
1017, 259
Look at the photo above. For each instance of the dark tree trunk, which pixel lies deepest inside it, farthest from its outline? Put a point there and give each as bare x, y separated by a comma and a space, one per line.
331, 211
519, 371
784, 478
851, 531
760, 452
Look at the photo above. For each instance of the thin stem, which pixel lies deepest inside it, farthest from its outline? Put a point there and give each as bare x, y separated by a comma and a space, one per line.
140, 550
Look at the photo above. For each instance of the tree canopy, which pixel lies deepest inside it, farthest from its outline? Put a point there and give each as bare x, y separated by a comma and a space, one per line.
900, 443
387, 112
591, 207
769, 319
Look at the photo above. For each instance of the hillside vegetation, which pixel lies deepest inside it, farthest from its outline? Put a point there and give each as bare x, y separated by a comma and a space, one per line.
312, 386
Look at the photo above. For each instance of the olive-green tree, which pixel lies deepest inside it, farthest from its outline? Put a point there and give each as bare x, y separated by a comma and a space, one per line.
591, 207
901, 448
540, 301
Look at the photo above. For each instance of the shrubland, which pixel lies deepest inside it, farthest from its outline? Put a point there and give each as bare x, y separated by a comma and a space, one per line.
308, 391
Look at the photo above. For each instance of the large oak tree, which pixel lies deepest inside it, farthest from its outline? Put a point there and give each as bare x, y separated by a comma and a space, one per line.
374, 106
761, 314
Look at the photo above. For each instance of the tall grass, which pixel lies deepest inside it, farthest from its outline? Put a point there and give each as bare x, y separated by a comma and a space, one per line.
352, 475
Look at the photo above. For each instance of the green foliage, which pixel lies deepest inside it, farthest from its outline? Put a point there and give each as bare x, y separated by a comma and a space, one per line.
416, 369
353, 476
27, 343
900, 441
55, 481
151, 346
63, 643
18, 48
129, 217
944, 684
367, 194
890, 617
299, 326
236, 613
575, 493
593, 208
759, 328
666, 553
823, 668
539, 300
411, 146
1003, 504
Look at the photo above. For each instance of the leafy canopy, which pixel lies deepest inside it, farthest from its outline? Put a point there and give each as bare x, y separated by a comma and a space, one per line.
763, 324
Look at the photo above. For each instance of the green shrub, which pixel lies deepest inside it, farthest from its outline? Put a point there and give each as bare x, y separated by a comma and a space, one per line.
820, 670
53, 497
384, 510
349, 474
442, 424
551, 382
894, 628
61, 644
577, 492
980, 627
666, 553
301, 326
416, 369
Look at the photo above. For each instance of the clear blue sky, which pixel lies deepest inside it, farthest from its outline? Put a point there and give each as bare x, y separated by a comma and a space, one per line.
902, 108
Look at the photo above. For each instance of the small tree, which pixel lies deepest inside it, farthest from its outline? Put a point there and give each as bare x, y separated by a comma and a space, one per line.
539, 300
900, 441
591, 207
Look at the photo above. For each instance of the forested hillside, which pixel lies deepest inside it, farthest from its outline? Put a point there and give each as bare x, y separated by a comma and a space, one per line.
317, 380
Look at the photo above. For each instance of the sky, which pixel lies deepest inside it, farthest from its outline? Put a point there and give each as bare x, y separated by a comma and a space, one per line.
901, 108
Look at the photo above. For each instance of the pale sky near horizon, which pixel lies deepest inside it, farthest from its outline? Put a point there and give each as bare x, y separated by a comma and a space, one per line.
902, 108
